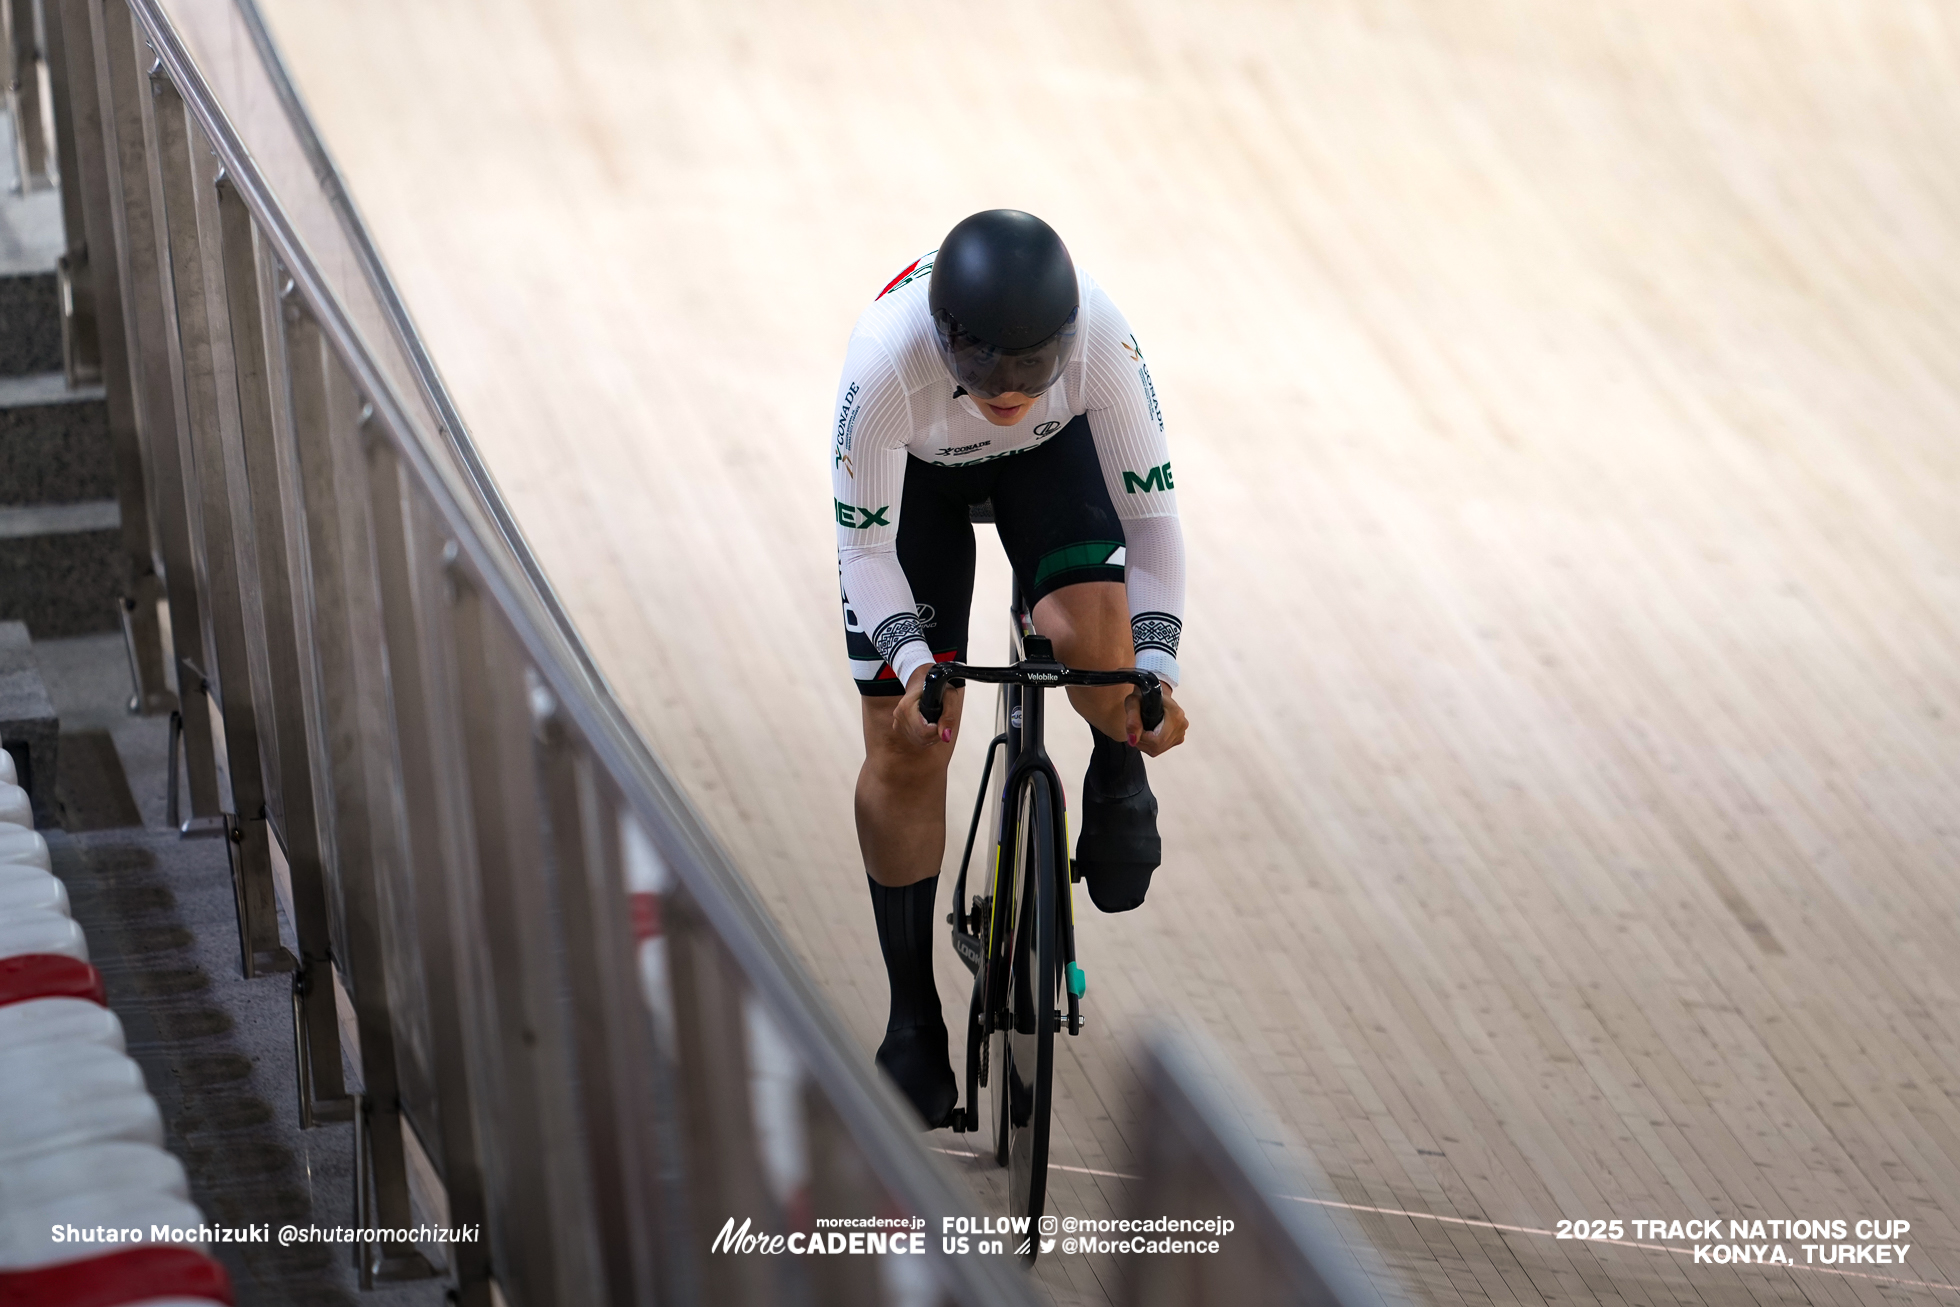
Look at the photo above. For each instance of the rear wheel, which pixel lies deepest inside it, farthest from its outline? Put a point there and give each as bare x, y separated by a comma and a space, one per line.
1024, 1054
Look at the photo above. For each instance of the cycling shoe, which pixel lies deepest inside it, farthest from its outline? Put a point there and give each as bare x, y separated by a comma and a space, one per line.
915, 1058
1118, 848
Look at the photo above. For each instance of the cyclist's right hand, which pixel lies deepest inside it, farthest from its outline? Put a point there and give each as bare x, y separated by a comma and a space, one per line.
1169, 733
910, 724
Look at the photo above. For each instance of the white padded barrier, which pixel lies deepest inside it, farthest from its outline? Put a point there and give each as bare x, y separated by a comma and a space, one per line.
41, 932
27, 1235
57, 1021
56, 1071
26, 848
46, 1127
37, 1181
80, 1136
38, 893
14, 806
16, 874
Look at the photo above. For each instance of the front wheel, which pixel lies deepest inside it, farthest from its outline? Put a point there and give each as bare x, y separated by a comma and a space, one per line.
1024, 1053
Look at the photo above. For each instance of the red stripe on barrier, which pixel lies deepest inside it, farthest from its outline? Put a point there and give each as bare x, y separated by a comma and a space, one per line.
646, 916
49, 975
130, 1275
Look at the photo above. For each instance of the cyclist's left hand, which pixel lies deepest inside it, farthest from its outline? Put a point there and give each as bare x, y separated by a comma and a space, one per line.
1169, 733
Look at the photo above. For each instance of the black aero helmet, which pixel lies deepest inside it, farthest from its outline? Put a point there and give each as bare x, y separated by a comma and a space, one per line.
1004, 299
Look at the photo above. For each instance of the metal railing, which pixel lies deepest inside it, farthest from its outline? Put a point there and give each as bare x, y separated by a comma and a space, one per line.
26, 66
568, 1019
1210, 1151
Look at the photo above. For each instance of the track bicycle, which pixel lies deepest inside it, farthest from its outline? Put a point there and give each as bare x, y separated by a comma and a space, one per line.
1019, 939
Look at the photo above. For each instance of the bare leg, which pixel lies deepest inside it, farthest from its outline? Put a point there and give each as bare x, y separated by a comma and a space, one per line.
901, 796
1090, 625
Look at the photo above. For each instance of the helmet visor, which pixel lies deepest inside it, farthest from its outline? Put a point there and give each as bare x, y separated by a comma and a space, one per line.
987, 370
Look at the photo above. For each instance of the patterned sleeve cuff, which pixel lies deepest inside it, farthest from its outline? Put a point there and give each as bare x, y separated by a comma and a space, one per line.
1156, 660
1155, 636
909, 658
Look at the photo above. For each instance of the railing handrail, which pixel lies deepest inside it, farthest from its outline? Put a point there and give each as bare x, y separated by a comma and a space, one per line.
1289, 1206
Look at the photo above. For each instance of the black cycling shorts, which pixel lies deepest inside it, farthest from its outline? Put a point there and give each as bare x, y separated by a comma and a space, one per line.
1055, 519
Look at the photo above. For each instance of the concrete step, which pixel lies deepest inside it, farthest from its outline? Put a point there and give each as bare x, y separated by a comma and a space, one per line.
54, 442
31, 241
63, 567
30, 323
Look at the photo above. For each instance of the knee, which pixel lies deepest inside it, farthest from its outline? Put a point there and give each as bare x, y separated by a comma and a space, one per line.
1090, 625
892, 761
907, 768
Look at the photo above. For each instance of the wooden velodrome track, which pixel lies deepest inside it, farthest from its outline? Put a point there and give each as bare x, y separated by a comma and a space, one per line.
1563, 399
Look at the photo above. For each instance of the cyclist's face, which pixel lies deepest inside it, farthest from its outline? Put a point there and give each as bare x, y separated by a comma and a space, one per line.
1004, 410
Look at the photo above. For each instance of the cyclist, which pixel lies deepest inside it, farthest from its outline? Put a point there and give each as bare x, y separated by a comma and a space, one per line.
991, 369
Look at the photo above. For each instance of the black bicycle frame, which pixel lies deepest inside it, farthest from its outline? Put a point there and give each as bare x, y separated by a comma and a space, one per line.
1026, 756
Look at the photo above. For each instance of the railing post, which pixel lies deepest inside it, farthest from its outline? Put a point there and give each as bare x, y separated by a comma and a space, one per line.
23, 78
434, 831
81, 349
359, 754
298, 798
165, 418
619, 1070
220, 510
839, 1182
533, 1140
96, 179
722, 1164
1202, 1159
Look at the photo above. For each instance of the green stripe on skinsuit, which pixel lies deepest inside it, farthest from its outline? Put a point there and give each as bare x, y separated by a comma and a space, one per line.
1090, 553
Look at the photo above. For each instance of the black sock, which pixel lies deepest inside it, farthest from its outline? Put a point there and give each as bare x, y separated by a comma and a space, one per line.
905, 929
